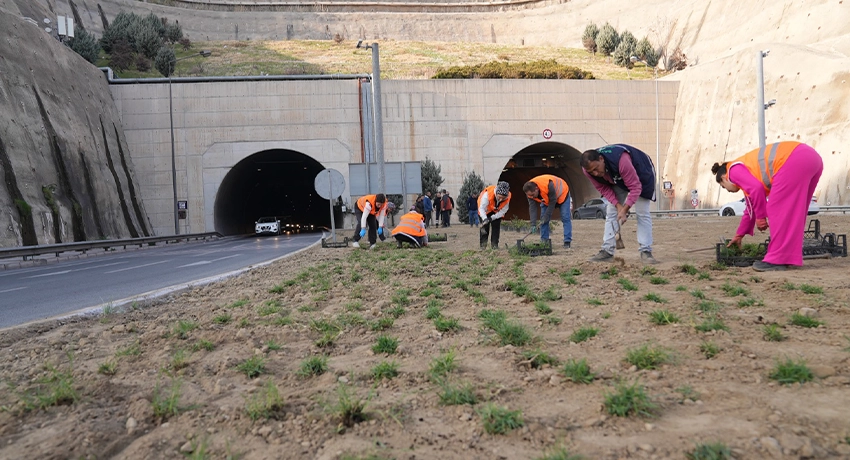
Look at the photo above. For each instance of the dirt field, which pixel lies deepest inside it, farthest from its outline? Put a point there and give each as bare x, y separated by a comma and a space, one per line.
173, 380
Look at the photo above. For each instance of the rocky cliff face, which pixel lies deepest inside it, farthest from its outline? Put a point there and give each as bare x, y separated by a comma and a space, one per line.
66, 169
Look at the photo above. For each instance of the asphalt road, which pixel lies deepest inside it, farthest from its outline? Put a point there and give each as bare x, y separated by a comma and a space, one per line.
76, 285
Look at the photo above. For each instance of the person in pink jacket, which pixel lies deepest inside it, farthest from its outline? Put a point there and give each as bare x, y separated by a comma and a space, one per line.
787, 172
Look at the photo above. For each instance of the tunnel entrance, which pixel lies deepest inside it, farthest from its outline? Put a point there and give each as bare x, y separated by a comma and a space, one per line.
275, 182
553, 158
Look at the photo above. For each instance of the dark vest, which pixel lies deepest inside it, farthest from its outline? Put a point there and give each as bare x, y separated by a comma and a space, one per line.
641, 161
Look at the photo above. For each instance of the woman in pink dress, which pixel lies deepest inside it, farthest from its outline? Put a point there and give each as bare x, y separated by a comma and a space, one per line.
788, 172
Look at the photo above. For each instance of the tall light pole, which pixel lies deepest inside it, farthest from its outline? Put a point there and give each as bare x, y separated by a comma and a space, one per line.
657, 137
760, 95
376, 113
205, 54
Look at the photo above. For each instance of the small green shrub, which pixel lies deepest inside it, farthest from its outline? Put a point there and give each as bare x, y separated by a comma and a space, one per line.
733, 291
183, 328
712, 324
314, 365
789, 371
238, 303
223, 319
628, 400
446, 324
798, 319
107, 368
584, 333
432, 312
709, 349
385, 370
713, 451
538, 358
658, 280
253, 366
809, 289
264, 404
662, 317
499, 420
270, 307
166, 403
653, 297
772, 333
542, 307
577, 371
455, 395
385, 344
594, 301
442, 365
689, 269
627, 285
203, 345
349, 408
381, 324
648, 356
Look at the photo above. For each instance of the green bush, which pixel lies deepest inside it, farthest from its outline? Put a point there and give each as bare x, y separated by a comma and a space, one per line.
607, 40
165, 61
588, 39
544, 69
84, 44
472, 185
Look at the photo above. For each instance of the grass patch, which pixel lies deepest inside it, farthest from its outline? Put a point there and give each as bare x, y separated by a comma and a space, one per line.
789, 371
54, 389
107, 368
349, 408
681, 288
269, 307
560, 453
499, 420
772, 333
809, 289
273, 346
183, 328
653, 297
381, 324
648, 356
252, 367
698, 294
312, 366
734, 291
594, 301
582, 334
432, 312
166, 402
804, 321
179, 360
662, 317
689, 269
538, 358
238, 303
264, 404
447, 324
709, 349
442, 365
385, 344
203, 344
456, 395
134, 349
712, 451
626, 400
223, 318
657, 280
542, 307
385, 370
627, 285
712, 324
644, 271
708, 306
577, 371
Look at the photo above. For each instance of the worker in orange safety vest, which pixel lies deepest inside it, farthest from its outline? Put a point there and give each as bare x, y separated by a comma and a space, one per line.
411, 229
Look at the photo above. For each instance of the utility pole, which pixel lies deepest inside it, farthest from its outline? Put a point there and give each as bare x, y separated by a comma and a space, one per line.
760, 95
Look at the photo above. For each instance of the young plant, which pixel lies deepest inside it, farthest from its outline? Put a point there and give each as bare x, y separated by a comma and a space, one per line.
662, 317
689, 269
455, 395
512, 333
550, 294
733, 291
627, 285
542, 307
648, 271
442, 365
314, 365
594, 301
223, 318
432, 312
385, 344
798, 319
712, 323
134, 349
238, 303
264, 404
653, 297
55, 389
499, 420
809, 289
657, 280
179, 359
790, 371
577, 371
349, 408
698, 294
446, 324
253, 366
648, 356
560, 453
271, 345
107, 368
681, 288
709, 349
166, 403
582, 334
183, 328
269, 307
381, 324
628, 400
385, 370
708, 306
538, 358
713, 451
772, 333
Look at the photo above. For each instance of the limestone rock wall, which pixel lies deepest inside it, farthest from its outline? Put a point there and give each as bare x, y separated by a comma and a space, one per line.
66, 170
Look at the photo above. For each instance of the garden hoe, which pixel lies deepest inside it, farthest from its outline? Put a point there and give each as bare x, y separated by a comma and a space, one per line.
620, 244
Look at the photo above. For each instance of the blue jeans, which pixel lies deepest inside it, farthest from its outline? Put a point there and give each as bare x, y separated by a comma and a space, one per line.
566, 220
473, 217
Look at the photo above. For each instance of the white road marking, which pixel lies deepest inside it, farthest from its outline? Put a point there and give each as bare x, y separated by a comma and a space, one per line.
50, 274
138, 266
205, 262
14, 289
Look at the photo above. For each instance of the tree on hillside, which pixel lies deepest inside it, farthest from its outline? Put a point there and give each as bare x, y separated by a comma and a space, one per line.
588, 39
120, 28
173, 32
472, 185
607, 40
431, 178
84, 44
165, 60
148, 41
646, 52
121, 56
625, 50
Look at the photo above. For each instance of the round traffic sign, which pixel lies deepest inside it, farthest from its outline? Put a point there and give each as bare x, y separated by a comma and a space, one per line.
329, 184
547, 133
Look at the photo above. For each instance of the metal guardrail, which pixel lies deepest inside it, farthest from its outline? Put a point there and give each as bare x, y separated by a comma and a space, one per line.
716, 211
83, 246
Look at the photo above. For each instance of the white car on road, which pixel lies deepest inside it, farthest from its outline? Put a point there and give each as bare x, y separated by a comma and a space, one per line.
737, 207
267, 226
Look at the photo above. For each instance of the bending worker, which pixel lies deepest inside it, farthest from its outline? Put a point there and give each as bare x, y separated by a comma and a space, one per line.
492, 206
788, 172
625, 176
551, 192
370, 212
411, 229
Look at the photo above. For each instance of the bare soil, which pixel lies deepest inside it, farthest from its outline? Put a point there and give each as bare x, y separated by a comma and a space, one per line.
729, 398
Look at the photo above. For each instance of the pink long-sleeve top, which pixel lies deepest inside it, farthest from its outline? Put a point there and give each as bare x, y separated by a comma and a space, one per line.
755, 196
630, 179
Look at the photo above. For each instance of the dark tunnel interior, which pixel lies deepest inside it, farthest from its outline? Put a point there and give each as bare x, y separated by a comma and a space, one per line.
270, 183
545, 158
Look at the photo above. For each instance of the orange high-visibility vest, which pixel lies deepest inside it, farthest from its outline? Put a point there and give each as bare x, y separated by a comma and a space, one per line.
491, 200
361, 204
412, 224
561, 188
763, 163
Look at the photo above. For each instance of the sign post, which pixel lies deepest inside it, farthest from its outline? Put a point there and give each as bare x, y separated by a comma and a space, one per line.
330, 184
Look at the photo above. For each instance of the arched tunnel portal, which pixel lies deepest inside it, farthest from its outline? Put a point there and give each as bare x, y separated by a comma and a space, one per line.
276, 182
553, 158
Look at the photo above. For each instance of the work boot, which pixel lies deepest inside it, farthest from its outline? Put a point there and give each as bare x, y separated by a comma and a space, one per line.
761, 266
373, 246
602, 256
646, 258
566, 245
355, 245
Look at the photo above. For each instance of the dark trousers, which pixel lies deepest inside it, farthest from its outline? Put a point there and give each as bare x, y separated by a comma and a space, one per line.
427, 219
485, 231
447, 216
371, 224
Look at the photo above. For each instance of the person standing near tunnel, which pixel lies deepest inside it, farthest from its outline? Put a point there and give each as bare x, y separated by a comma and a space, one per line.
788, 172
625, 176
493, 204
551, 192
370, 212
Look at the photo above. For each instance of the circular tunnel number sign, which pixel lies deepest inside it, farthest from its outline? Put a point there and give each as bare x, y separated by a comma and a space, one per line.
329, 184
547, 133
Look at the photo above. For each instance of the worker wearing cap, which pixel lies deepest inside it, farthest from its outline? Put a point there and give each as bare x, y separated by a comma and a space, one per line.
370, 212
550, 192
411, 229
492, 206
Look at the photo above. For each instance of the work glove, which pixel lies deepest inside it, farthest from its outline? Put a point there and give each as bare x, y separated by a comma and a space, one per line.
761, 224
488, 221
362, 232
380, 231
482, 230
735, 241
